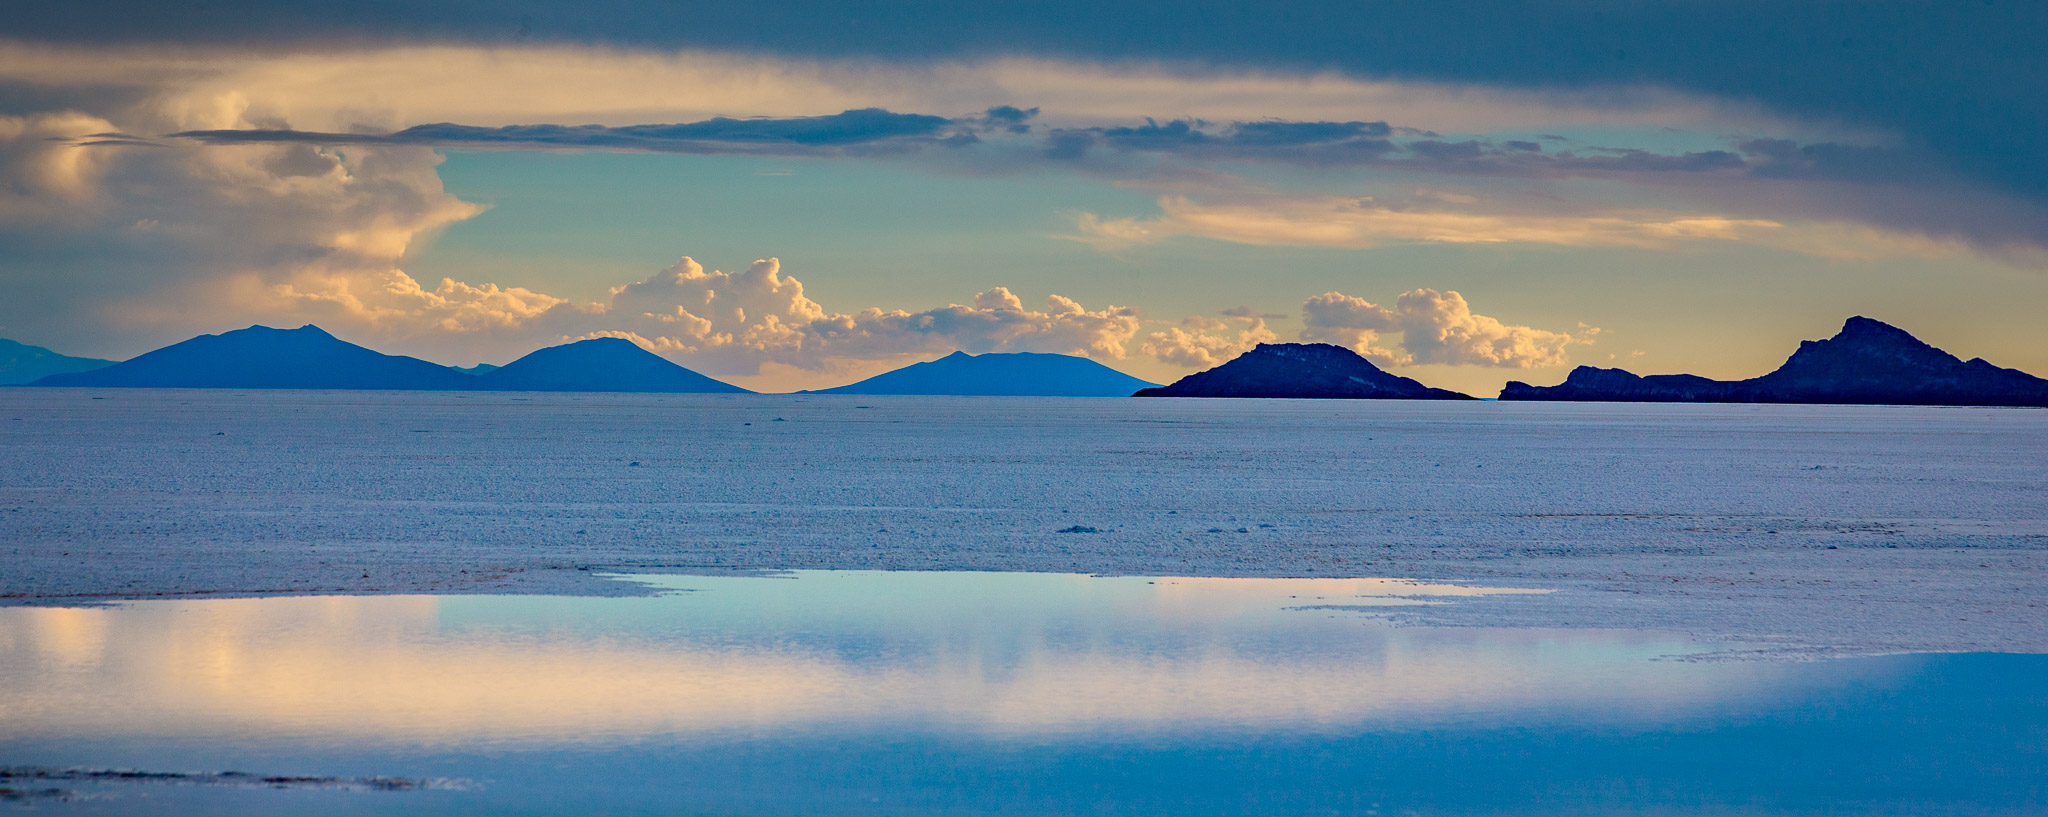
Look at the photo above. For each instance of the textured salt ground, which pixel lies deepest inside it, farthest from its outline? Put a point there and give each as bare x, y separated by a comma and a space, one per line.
1786, 531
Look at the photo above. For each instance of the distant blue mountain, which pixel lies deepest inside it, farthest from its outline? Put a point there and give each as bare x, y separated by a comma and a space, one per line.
1301, 370
599, 364
1004, 374
1868, 362
480, 368
260, 357
22, 363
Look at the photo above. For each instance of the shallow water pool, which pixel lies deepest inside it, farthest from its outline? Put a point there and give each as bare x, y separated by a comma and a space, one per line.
854, 692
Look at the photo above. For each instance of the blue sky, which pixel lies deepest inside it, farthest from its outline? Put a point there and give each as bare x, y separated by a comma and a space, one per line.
1465, 192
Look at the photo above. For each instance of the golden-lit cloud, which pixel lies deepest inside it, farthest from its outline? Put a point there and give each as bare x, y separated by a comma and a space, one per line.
396, 87
1200, 341
1355, 223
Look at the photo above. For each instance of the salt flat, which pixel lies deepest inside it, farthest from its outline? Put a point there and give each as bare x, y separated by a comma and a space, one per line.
1782, 531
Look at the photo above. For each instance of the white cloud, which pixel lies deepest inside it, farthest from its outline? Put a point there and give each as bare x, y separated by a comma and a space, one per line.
1201, 342
736, 323
1351, 322
1435, 328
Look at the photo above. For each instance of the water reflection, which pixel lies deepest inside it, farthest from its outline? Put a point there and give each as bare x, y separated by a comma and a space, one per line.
1017, 654
960, 693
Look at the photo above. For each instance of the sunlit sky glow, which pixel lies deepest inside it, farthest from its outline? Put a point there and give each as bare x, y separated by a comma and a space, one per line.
1661, 186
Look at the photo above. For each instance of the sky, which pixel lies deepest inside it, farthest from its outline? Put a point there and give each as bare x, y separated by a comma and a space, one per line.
798, 194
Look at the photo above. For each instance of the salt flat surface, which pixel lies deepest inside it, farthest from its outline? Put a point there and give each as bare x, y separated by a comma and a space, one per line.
1777, 530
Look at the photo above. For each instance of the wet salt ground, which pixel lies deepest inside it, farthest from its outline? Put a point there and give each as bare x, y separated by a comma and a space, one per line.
977, 693
1798, 531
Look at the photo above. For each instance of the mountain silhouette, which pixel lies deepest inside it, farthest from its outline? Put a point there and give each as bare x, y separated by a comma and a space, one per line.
21, 363
1309, 370
260, 357
1021, 374
1868, 362
598, 364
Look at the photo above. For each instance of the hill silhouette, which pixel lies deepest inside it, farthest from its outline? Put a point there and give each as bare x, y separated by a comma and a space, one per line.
21, 363
1022, 374
598, 364
261, 357
1300, 370
1868, 362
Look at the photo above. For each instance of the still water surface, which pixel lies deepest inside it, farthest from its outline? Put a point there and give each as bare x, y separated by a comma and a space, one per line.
983, 693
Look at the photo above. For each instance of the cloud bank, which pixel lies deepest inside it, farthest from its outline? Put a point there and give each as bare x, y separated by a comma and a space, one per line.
1436, 328
736, 322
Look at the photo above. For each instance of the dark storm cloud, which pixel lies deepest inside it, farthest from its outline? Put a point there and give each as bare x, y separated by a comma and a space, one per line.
1311, 144
868, 127
1305, 143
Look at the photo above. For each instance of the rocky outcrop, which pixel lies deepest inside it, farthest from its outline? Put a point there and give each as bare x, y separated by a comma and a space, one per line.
1300, 370
1868, 362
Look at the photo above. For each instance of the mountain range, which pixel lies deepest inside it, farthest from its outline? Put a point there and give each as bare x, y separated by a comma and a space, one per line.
22, 363
1000, 374
1300, 370
261, 357
1869, 362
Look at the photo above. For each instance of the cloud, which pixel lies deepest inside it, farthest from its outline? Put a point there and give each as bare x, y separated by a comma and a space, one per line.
842, 133
165, 241
1353, 323
1012, 112
145, 238
1335, 221
1435, 328
737, 322
1202, 342
1307, 143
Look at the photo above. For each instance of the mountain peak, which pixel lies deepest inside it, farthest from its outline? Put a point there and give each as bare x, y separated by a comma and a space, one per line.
600, 364
1000, 374
21, 363
264, 357
1860, 328
1305, 370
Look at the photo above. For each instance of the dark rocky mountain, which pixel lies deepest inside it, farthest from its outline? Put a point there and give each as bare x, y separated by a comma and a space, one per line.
1308, 370
1022, 374
598, 364
260, 357
22, 363
1868, 362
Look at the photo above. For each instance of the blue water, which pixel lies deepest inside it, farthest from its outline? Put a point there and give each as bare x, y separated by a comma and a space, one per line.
980, 693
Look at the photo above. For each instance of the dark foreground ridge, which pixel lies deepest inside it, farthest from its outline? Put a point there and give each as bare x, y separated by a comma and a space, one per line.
1305, 370
22, 363
260, 357
1868, 362
600, 364
27, 784
1011, 374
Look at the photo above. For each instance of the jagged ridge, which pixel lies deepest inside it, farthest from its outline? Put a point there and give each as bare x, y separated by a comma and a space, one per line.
1868, 362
